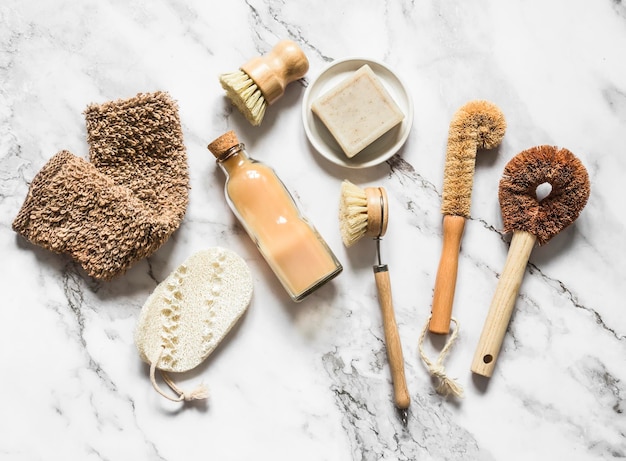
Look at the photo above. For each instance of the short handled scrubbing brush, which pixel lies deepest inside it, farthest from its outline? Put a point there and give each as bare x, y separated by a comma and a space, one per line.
262, 80
365, 213
531, 220
478, 124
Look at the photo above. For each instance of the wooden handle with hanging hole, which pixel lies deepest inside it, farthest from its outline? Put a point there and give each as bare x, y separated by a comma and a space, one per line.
273, 71
392, 337
502, 304
445, 283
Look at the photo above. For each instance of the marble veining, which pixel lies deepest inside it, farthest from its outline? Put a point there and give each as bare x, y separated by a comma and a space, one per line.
310, 381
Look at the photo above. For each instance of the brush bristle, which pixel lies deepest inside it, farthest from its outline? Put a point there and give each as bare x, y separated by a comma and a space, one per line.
521, 210
478, 124
245, 95
352, 213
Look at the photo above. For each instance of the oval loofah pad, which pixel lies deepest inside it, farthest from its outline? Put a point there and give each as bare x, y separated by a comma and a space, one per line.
193, 309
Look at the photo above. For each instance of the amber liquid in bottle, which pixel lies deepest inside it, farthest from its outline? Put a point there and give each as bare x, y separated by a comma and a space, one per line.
292, 247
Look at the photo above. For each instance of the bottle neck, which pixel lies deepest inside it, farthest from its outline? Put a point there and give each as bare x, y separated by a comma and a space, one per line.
233, 158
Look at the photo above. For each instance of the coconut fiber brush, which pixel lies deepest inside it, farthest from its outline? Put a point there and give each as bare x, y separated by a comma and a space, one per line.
531, 220
478, 124
262, 80
365, 213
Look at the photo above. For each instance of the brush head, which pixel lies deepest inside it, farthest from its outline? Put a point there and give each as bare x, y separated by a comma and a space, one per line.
245, 95
521, 210
478, 124
362, 212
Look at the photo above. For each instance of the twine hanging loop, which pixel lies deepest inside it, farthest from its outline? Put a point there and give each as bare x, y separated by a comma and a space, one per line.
446, 385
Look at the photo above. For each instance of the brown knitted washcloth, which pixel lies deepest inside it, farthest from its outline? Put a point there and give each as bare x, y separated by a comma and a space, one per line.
125, 204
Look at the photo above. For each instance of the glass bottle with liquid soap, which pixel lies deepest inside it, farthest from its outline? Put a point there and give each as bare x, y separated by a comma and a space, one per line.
292, 247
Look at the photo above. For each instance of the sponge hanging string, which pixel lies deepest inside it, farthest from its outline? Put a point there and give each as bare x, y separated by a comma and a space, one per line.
447, 386
199, 393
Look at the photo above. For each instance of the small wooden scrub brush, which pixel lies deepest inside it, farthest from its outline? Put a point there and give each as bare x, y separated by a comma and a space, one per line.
531, 220
262, 80
478, 124
365, 213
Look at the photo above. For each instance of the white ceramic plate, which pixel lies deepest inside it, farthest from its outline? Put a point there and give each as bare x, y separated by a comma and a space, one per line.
322, 139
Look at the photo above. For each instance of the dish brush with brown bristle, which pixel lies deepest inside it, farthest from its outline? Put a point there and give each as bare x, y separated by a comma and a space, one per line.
262, 80
531, 220
364, 212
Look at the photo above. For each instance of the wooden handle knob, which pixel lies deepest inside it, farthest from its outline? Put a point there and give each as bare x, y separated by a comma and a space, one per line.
392, 338
502, 304
445, 283
272, 72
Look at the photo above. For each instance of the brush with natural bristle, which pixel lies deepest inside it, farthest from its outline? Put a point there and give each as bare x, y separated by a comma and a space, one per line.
262, 80
245, 95
361, 213
364, 212
476, 125
531, 220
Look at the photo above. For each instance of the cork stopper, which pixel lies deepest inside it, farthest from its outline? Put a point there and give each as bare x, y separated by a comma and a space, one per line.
221, 145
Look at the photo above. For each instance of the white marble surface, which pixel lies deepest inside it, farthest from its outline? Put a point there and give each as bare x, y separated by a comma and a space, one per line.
310, 381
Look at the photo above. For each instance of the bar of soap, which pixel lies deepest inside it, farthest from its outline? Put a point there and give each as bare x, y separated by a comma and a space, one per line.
358, 111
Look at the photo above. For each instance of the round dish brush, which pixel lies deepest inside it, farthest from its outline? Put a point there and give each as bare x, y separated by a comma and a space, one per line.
262, 80
531, 220
477, 124
365, 213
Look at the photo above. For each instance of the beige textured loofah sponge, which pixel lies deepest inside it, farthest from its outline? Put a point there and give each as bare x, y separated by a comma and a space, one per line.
191, 311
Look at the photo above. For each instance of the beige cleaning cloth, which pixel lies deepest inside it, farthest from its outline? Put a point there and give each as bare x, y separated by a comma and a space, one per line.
124, 205
190, 312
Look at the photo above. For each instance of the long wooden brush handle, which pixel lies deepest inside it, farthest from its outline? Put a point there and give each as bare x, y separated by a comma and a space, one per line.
445, 283
272, 72
392, 337
502, 304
